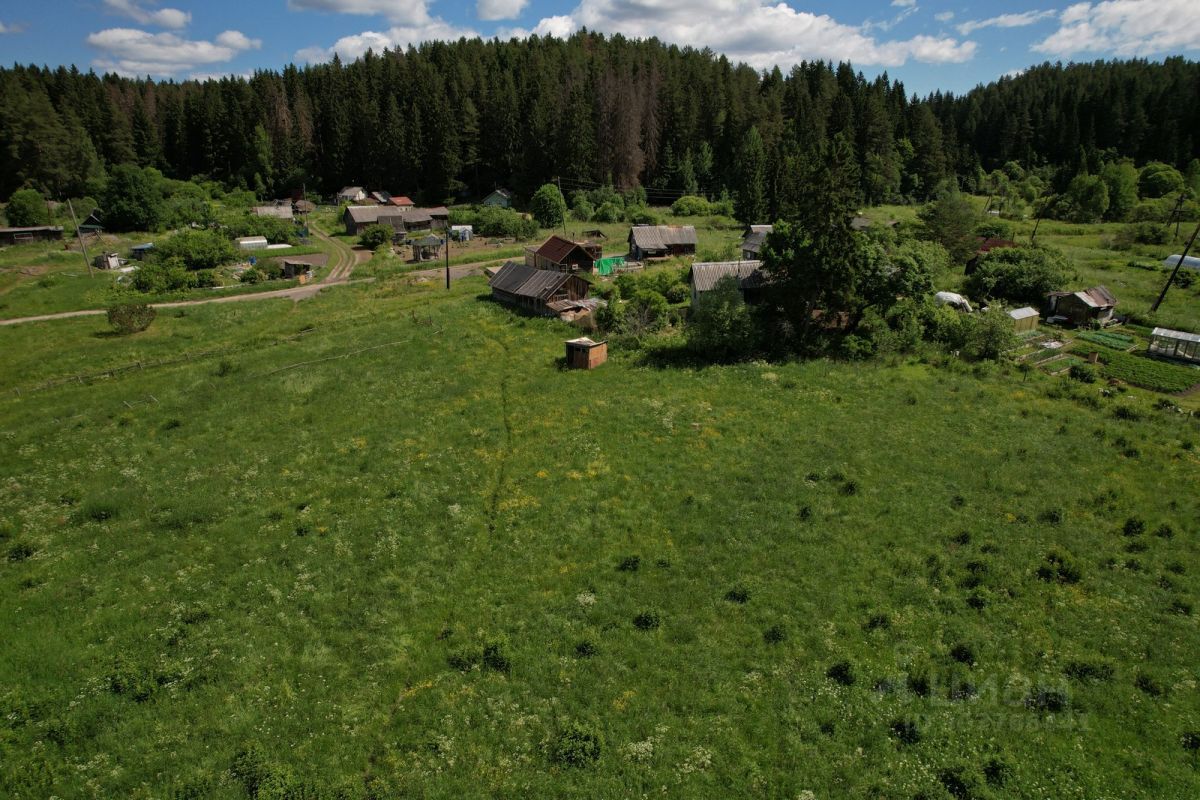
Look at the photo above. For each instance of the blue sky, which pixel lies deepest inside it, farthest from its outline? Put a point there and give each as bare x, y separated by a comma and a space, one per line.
929, 44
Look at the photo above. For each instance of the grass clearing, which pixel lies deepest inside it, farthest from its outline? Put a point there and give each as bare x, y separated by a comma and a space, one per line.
430, 562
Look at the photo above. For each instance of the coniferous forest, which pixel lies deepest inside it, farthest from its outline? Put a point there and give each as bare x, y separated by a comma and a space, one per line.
449, 120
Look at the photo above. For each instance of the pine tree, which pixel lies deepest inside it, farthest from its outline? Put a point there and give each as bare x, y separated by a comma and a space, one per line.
750, 200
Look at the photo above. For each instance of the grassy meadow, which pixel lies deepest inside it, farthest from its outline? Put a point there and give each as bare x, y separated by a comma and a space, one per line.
380, 544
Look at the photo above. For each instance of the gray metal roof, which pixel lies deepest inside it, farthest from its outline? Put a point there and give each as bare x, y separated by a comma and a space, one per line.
706, 275
662, 237
754, 242
1179, 336
1023, 313
525, 281
279, 211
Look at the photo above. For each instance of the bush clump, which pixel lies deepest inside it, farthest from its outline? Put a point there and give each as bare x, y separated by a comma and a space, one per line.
738, 594
1058, 569
130, 318
647, 620
841, 672
1047, 700
905, 731
576, 746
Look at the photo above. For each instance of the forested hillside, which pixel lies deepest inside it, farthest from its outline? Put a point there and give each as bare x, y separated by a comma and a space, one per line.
461, 118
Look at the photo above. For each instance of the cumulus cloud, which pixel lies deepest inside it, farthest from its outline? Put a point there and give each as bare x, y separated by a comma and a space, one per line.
904, 3
401, 12
1125, 28
944, 16
3, 28
135, 52
349, 48
171, 18
500, 9
1005, 21
762, 34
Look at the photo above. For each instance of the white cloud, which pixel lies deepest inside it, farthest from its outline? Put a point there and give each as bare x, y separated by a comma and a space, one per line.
3, 28
762, 34
500, 9
171, 18
399, 36
1005, 21
401, 12
904, 3
944, 16
559, 27
1125, 28
134, 52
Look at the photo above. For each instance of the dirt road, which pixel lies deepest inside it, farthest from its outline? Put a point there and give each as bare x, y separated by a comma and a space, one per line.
342, 263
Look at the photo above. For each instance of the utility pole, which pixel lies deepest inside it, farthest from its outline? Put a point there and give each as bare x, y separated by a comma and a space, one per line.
1175, 271
564, 197
1177, 215
447, 258
79, 235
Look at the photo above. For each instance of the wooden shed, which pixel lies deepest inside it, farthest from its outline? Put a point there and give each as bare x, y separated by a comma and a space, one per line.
1025, 320
661, 241
586, 354
1090, 306
41, 233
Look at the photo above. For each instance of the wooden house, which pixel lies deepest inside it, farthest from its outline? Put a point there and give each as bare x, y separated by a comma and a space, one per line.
536, 290
500, 198
752, 244
751, 279
563, 255
1091, 306
661, 241
351, 194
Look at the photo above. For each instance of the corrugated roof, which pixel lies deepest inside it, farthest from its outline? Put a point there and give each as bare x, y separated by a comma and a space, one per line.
350, 190
754, 242
519, 279
1097, 297
1023, 313
279, 211
706, 275
38, 229
761, 228
556, 249
401, 201
1179, 336
662, 237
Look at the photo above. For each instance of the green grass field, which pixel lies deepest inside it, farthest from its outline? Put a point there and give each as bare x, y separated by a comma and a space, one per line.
379, 544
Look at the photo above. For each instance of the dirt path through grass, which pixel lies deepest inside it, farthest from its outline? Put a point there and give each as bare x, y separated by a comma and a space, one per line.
343, 261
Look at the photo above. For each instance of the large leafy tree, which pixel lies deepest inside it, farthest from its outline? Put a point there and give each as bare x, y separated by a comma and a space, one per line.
133, 199
548, 206
26, 209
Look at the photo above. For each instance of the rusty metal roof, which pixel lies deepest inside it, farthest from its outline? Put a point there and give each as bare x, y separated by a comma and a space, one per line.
556, 249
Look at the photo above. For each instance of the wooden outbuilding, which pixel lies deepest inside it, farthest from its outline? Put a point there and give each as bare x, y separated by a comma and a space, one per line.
295, 269
585, 354
563, 255
1025, 320
753, 242
751, 279
534, 290
107, 261
280, 210
41, 233
351, 194
500, 198
662, 241
1091, 306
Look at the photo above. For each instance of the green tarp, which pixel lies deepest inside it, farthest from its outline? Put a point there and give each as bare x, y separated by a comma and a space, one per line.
605, 266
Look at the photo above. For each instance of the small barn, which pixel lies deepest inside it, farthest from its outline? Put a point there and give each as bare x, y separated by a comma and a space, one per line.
382, 198
295, 269
563, 255
42, 233
140, 251
351, 194
462, 233
661, 241
585, 354
1091, 306
304, 207
534, 290
1176, 344
278, 211
358, 218
500, 198
401, 202
1025, 320
751, 279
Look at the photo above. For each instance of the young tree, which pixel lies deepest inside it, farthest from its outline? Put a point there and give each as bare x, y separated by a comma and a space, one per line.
950, 220
1159, 180
548, 206
375, 236
27, 209
1121, 178
133, 199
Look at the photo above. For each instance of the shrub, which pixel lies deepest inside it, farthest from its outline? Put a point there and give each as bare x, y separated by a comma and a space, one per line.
495, 657
197, 249
629, 564
641, 216
20, 551
1190, 740
253, 276
842, 673
905, 731
1057, 569
647, 620
1149, 685
608, 212
963, 653
375, 236
576, 746
1134, 526
27, 209
996, 772
691, 206
586, 648
1084, 373
1019, 274
738, 594
774, 635
918, 683
128, 318
464, 659
957, 782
